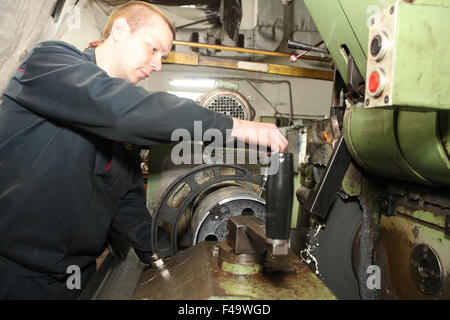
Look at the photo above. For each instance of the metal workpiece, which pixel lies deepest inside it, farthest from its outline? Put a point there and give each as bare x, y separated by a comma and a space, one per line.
209, 220
247, 234
189, 189
195, 274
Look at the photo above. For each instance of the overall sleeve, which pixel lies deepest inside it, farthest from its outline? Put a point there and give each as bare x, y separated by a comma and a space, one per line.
132, 223
58, 83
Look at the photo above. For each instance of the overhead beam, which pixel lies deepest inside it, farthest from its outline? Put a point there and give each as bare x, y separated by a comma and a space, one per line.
194, 59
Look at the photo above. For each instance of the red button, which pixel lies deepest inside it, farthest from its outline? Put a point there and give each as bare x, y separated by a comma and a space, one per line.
374, 81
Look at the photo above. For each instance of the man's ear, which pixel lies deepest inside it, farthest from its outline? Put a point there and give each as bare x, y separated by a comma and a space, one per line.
120, 29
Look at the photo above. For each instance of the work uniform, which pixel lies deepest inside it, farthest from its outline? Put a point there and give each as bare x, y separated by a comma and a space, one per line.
68, 175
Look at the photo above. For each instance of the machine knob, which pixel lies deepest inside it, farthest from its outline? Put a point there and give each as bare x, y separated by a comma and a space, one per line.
379, 46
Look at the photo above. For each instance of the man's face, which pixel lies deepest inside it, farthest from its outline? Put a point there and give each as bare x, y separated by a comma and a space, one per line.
142, 52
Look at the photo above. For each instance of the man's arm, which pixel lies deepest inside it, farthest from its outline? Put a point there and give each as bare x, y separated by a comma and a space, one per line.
57, 83
261, 133
132, 223
60, 85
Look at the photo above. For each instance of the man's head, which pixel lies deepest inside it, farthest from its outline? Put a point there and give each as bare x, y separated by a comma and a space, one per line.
138, 37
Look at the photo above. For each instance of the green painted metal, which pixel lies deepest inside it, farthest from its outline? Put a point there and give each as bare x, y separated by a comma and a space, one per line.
336, 31
241, 269
421, 145
400, 144
370, 135
358, 14
352, 181
423, 215
421, 63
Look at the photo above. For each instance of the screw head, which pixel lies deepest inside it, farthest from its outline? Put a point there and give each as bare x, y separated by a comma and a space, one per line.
391, 10
386, 99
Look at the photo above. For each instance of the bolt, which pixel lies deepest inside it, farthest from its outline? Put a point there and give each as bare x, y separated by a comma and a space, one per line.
224, 210
367, 102
391, 10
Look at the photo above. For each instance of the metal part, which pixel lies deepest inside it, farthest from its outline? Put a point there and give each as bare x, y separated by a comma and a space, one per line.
342, 25
400, 236
229, 102
306, 47
279, 197
245, 50
426, 269
248, 235
116, 279
192, 185
194, 274
320, 138
197, 60
380, 140
209, 220
333, 249
320, 201
239, 264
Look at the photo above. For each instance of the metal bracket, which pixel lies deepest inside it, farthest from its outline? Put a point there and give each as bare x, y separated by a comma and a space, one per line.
320, 201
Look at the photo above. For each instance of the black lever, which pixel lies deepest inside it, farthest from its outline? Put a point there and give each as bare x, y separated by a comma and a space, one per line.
306, 47
279, 197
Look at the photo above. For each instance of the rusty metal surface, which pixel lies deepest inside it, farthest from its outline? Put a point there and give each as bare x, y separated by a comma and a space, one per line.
320, 141
194, 274
399, 235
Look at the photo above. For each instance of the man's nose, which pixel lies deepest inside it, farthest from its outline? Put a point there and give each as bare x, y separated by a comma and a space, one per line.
156, 63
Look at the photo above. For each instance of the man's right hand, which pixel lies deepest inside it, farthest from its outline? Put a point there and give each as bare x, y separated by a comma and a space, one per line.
260, 133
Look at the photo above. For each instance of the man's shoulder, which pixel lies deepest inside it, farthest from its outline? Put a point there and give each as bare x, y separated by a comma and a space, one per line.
60, 47
57, 45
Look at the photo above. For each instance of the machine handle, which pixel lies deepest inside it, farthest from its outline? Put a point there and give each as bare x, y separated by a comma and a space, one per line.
279, 197
305, 47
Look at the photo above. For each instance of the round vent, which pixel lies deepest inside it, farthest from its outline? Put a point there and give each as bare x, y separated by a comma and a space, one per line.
229, 102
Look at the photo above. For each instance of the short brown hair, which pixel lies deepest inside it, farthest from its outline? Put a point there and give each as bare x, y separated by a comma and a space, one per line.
137, 14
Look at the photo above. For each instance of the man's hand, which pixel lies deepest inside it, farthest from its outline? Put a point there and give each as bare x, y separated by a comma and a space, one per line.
260, 133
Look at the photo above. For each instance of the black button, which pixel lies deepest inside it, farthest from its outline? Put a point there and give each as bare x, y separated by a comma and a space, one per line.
375, 45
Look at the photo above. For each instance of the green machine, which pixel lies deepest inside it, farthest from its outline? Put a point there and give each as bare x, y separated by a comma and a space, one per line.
387, 233
374, 194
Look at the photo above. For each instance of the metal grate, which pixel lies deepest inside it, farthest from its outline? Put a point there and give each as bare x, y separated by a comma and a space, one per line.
228, 102
229, 106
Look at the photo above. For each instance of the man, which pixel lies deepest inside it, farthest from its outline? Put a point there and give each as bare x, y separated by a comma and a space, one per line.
67, 176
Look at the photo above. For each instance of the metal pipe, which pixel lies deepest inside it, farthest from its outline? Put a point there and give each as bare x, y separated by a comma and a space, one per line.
245, 50
196, 22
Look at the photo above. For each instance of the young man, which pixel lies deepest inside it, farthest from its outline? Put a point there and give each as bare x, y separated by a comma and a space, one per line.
67, 176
